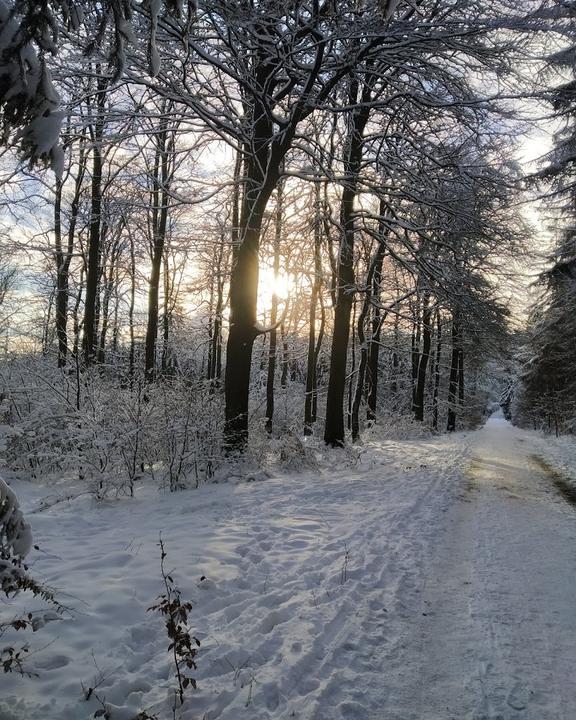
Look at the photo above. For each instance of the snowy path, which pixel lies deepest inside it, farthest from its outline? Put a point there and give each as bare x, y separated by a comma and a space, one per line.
497, 633
405, 588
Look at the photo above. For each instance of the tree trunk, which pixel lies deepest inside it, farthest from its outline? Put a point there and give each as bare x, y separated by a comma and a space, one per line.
166, 314
243, 306
236, 202
454, 368
75, 317
261, 172
115, 323
109, 277
218, 318
352, 365
274, 313
374, 363
461, 375
310, 402
46, 340
437, 370
395, 362
317, 349
423, 359
415, 345
243, 299
334, 428
210, 362
63, 256
377, 322
94, 235
132, 350
368, 350
61, 280
161, 176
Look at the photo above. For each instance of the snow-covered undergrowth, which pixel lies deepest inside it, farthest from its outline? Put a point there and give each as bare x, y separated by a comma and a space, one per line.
104, 432
15, 539
302, 585
558, 452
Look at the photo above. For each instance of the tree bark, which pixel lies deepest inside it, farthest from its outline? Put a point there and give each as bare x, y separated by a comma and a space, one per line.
131, 306
274, 312
352, 365
423, 359
461, 374
454, 370
75, 317
395, 361
166, 315
285, 357
217, 373
161, 176
262, 166
368, 350
63, 256
334, 434
109, 277
437, 361
93, 265
243, 298
61, 280
310, 402
415, 346
321, 331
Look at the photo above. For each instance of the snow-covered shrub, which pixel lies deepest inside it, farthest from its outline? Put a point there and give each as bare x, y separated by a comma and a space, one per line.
289, 451
15, 544
15, 541
189, 432
397, 426
105, 432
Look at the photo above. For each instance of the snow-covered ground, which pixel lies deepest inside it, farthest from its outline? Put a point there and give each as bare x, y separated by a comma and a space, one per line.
496, 638
435, 579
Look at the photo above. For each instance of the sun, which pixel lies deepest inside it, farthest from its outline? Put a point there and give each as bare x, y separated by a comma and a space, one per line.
270, 284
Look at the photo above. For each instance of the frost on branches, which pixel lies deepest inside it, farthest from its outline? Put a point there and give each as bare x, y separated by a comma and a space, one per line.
15, 541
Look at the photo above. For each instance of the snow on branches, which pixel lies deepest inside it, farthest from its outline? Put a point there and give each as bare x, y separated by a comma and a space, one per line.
30, 31
28, 99
15, 540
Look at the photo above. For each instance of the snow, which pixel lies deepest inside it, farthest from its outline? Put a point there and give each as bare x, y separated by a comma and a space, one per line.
431, 579
558, 452
15, 539
496, 637
27, 82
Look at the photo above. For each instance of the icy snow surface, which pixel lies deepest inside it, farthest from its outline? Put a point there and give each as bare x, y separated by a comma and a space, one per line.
435, 580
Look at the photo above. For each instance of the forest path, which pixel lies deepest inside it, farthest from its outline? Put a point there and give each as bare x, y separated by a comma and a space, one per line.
496, 638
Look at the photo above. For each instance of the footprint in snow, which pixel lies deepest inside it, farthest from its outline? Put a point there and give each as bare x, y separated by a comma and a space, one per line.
353, 711
276, 617
53, 663
518, 697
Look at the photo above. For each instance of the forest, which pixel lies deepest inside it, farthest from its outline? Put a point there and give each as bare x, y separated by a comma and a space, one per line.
260, 242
